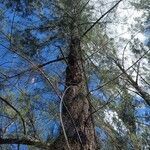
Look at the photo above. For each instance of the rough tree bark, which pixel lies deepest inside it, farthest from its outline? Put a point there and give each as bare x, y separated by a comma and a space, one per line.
77, 120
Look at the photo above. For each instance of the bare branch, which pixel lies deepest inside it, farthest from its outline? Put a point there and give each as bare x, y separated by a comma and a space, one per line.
91, 27
120, 73
19, 114
38, 66
143, 94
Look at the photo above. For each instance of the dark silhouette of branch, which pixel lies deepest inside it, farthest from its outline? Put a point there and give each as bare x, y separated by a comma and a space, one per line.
24, 141
38, 66
110, 81
19, 114
143, 94
12, 26
141, 77
101, 107
91, 27
84, 6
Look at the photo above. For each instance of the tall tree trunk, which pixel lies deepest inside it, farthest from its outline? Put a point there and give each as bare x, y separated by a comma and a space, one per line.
76, 111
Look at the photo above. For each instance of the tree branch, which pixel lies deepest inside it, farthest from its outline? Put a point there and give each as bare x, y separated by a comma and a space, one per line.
19, 114
143, 94
115, 78
38, 66
91, 27
24, 141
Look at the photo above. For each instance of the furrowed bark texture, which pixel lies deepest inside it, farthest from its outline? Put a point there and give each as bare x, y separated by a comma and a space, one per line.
76, 110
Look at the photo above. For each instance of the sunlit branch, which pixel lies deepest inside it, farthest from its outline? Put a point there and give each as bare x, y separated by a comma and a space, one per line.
137, 75
61, 119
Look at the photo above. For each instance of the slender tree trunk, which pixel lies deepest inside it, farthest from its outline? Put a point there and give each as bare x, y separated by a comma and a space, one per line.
77, 120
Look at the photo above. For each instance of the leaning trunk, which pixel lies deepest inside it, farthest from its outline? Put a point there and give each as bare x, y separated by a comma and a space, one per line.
77, 118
